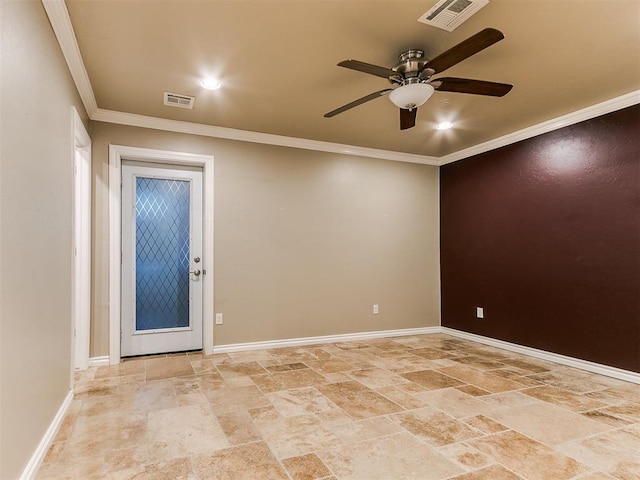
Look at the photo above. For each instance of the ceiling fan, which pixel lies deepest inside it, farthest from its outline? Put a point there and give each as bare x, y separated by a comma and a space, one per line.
411, 77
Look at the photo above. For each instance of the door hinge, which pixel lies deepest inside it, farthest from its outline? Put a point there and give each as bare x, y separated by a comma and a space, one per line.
204, 271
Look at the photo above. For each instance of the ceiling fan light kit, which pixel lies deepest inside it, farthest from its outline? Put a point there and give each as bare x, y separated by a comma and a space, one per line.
411, 77
411, 95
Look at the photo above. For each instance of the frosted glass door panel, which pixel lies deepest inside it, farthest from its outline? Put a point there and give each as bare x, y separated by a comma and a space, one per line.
162, 253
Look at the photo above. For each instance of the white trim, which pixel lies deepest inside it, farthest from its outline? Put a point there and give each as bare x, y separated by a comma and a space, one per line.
116, 154
36, 459
588, 113
61, 24
80, 134
134, 120
619, 373
102, 361
345, 337
81, 244
115, 249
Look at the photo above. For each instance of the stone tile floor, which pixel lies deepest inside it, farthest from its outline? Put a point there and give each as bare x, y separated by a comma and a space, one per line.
418, 407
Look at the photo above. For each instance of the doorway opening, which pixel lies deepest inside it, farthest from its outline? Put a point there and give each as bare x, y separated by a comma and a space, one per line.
158, 169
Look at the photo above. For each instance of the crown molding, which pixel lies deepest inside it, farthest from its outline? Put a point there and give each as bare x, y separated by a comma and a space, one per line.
581, 115
588, 113
61, 24
155, 123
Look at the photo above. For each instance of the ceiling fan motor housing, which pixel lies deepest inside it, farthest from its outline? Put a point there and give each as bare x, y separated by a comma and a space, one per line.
410, 68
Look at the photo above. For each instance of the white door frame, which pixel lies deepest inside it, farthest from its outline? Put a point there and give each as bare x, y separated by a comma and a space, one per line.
81, 244
117, 153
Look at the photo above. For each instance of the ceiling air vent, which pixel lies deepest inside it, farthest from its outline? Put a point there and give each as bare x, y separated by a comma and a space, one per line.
449, 14
181, 101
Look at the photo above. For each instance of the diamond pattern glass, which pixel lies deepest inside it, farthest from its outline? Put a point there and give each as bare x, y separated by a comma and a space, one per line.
162, 253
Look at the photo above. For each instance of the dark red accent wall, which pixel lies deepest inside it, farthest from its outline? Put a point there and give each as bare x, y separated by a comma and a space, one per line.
544, 235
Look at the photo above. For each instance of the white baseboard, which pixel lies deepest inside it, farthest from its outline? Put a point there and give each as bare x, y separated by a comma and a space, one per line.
99, 361
346, 337
598, 368
619, 373
31, 469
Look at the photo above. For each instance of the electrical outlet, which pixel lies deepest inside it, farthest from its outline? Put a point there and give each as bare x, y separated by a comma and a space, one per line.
218, 319
375, 309
479, 312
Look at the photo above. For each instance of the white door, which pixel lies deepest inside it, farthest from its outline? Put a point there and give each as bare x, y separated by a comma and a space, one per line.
161, 259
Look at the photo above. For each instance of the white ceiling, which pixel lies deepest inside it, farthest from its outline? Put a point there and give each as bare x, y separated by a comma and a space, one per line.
278, 59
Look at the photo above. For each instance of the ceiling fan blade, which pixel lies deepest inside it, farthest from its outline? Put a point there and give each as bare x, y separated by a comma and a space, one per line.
467, 85
407, 118
368, 68
465, 49
355, 103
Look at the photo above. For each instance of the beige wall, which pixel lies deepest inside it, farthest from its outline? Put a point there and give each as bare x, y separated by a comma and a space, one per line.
305, 242
35, 231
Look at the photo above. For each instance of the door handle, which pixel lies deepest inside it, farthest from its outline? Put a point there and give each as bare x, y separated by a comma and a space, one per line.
196, 272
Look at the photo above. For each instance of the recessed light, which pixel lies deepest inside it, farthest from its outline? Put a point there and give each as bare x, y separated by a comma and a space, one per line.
210, 83
444, 126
